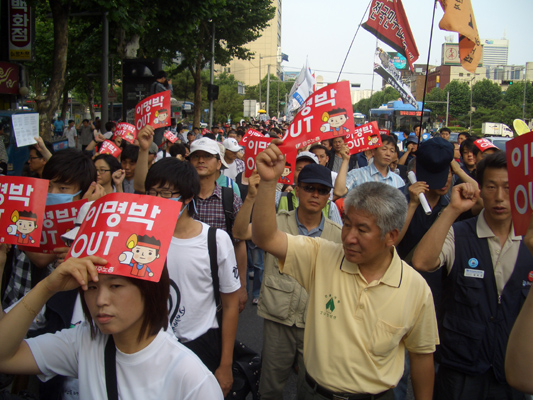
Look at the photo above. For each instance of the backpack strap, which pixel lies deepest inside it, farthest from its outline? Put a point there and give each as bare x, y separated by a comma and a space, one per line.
227, 204
289, 201
212, 248
110, 369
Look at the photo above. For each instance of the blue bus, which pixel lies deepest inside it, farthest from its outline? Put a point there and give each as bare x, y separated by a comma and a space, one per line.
397, 116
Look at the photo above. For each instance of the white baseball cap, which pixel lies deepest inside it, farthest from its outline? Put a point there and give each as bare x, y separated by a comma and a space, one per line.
231, 144
209, 146
308, 155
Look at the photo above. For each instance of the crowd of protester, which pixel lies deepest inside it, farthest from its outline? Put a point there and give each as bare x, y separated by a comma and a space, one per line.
326, 259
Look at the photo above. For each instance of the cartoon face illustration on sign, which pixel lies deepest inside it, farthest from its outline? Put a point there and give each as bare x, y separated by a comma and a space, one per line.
286, 172
161, 117
373, 140
143, 251
334, 122
24, 223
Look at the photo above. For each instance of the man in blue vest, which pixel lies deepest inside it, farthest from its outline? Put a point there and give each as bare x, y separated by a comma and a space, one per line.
488, 268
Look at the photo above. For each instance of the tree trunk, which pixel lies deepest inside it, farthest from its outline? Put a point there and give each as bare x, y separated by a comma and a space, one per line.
91, 101
64, 104
47, 104
197, 76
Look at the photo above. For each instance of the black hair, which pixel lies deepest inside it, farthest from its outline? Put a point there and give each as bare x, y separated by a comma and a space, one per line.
155, 298
445, 130
160, 74
181, 175
113, 163
177, 148
469, 145
149, 240
388, 139
496, 160
465, 134
109, 125
338, 111
130, 152
48, 145
70, 120
210, 136
417, 126
85, 120
71, 166
318, 146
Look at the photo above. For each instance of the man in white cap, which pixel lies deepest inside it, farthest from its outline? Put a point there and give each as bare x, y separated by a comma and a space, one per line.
217, 206
235, 165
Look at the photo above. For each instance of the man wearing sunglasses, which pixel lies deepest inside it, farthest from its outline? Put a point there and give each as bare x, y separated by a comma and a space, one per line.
283, 301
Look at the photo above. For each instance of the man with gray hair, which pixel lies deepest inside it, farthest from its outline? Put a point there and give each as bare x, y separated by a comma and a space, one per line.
366, 306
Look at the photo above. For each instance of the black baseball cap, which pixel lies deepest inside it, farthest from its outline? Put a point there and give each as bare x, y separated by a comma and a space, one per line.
433, 159
315, 173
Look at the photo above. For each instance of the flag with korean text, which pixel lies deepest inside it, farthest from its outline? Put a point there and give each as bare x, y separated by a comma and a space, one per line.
130, 231
388, 22
459, 17
22, 203
108, 147
154, 111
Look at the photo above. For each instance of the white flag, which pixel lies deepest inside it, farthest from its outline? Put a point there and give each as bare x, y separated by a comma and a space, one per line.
302, 88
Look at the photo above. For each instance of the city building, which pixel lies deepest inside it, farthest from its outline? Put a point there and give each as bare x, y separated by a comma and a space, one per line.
267, 49
495, 52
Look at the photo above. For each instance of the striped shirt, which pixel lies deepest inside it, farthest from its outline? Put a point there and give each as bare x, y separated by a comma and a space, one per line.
370, 173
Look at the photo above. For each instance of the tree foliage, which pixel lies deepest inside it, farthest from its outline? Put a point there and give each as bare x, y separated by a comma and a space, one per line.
486, 93
377, 99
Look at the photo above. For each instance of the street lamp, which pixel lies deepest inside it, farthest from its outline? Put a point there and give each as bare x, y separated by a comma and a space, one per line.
470, 126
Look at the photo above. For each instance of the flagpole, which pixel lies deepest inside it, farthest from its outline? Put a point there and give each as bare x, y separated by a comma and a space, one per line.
427, 71
351, 44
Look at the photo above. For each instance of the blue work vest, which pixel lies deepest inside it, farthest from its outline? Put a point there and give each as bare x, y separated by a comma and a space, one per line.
476, 322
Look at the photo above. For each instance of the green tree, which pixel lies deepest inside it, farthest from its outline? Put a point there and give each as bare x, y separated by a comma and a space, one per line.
378, 98
235, 23
486, 93
438, 110
459, 98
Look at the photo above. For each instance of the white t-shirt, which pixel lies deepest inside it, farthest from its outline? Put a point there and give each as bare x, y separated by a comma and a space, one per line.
333, 178
70, 134
165, 369
159, 155
233, 169
191, 284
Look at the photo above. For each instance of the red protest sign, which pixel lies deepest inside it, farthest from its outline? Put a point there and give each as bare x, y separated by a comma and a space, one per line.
520, 174
384, 132
58, 220
205, 130
253, 145
326, 114
153, 111
250, 133
22, 202
287, 177
129, 232
126, 131
108, 147
364, 137
170, 136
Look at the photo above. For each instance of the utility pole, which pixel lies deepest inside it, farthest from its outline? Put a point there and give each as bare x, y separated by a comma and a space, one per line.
268, 91
525, 86
104, 70
259, 80
447, 107
212, 78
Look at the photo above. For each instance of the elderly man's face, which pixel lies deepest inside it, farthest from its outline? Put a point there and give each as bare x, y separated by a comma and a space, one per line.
361, 238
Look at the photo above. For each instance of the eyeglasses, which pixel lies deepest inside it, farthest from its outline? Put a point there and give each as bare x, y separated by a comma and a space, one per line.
205, 156
33, 158
311, 189
165, 193
102, 171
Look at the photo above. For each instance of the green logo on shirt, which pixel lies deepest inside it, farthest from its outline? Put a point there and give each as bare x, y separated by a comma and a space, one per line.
331, 302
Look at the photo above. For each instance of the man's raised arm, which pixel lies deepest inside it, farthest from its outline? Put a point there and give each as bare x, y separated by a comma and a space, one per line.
265, 234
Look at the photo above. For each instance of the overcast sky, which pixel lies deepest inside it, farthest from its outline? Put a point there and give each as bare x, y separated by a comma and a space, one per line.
322, 32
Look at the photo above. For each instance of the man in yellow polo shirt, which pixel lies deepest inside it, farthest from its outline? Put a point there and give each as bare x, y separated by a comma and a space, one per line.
366, 306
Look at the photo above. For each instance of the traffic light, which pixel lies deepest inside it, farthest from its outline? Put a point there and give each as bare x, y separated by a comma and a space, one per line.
212, 92
507, 82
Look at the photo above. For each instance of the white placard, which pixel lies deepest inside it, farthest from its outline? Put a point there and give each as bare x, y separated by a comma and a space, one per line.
25, 127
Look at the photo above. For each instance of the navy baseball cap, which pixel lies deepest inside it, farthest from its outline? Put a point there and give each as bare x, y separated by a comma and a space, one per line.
433, 159
315, 173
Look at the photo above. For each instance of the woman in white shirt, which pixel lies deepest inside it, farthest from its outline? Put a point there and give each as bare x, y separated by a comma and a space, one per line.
150, 363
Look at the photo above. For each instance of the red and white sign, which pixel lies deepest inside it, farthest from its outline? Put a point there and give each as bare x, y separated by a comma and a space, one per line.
131, 232
520, 173
287, 177
58, 220
326, 114
365, 137
254, 143
22, 202
170, 136
205, 130
108, 147
154, 111
384, 132
126, 131
20, 30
